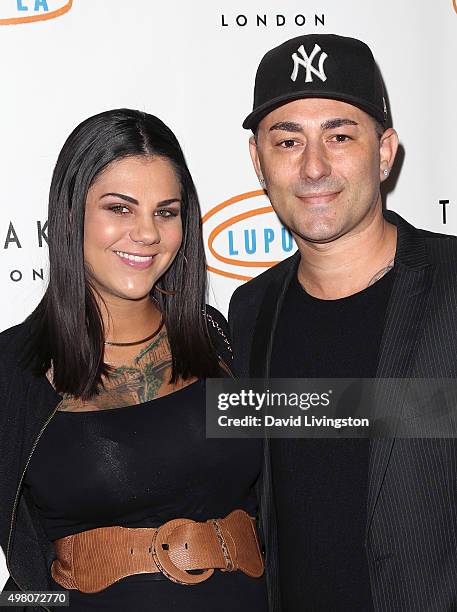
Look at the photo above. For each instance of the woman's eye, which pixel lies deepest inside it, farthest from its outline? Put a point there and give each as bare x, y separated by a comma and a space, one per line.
119, 209
165, 212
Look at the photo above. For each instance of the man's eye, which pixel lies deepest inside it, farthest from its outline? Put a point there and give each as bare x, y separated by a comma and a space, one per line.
119, 209
288, 144
341, 138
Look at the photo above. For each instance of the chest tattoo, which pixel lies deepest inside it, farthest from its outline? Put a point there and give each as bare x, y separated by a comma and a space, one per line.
134, 383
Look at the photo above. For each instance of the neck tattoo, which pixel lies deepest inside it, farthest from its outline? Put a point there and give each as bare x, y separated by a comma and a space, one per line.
382, 272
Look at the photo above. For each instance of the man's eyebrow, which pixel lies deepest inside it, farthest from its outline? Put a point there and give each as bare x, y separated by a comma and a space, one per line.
287, 126
331, 124
127, 198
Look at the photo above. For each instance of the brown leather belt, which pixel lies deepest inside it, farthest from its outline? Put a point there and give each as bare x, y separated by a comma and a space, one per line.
92, 560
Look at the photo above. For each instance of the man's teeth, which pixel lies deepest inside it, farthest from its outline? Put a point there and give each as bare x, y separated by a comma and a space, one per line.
133, 257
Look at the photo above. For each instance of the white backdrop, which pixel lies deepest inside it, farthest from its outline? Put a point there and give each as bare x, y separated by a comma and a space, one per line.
193, 65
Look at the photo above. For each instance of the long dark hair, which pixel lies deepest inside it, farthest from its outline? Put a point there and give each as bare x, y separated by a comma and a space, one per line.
66, 326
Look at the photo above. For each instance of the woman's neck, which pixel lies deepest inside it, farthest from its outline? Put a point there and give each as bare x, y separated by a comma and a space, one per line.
129, 320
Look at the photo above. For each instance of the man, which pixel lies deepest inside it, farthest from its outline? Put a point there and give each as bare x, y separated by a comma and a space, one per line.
361, 525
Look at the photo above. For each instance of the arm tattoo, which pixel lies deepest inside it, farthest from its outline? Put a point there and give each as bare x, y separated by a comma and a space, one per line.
130, 384
382, 272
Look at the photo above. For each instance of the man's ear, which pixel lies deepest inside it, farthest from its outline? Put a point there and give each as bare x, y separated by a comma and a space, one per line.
388, 147
255, 159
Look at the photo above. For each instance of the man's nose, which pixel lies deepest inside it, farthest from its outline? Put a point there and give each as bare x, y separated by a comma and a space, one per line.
145, 230
315, 164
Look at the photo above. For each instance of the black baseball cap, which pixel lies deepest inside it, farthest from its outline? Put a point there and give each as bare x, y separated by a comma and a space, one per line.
318, 66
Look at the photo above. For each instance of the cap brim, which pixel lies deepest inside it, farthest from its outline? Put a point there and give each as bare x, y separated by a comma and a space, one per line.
252, 120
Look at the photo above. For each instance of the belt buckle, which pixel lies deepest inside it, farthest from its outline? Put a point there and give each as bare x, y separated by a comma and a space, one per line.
159, 550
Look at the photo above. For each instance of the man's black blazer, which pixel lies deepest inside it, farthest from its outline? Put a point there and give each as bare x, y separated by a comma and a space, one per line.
411, 531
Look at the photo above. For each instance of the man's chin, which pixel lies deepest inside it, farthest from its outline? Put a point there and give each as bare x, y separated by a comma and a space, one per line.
321, 234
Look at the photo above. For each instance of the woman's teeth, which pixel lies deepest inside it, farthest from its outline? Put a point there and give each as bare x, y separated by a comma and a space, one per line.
133, 257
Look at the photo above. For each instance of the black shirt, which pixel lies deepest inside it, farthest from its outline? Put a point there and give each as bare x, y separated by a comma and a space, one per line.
320, 486
140, 466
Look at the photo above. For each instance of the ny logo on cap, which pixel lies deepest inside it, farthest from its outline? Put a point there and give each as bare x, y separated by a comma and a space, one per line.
307, 62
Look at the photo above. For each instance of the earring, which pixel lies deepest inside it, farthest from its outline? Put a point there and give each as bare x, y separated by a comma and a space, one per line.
164, 291
170, 292
386, 172
262, 182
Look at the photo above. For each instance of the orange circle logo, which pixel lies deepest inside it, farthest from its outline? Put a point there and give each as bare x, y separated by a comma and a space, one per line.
28, 11
244, 236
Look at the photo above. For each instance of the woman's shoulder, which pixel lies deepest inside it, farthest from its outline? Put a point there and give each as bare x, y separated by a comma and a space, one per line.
13, 340
215, 317
13, 337
218, 330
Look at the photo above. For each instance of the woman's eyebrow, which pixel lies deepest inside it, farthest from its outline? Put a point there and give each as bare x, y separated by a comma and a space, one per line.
169, 202
127, 198
120, 195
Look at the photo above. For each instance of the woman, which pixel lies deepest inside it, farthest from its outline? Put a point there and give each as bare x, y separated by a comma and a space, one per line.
102, 425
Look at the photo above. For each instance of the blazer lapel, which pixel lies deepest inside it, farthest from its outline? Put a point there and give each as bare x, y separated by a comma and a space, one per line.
259, 367
265, 326
405, 318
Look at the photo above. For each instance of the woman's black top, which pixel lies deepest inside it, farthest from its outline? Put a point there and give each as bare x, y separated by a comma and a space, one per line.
140, 466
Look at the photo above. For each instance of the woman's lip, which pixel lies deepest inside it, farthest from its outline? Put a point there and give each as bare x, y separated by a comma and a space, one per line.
319, 198
137, 254
138, 265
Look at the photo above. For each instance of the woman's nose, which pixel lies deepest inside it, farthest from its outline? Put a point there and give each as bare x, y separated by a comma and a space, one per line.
145, 230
